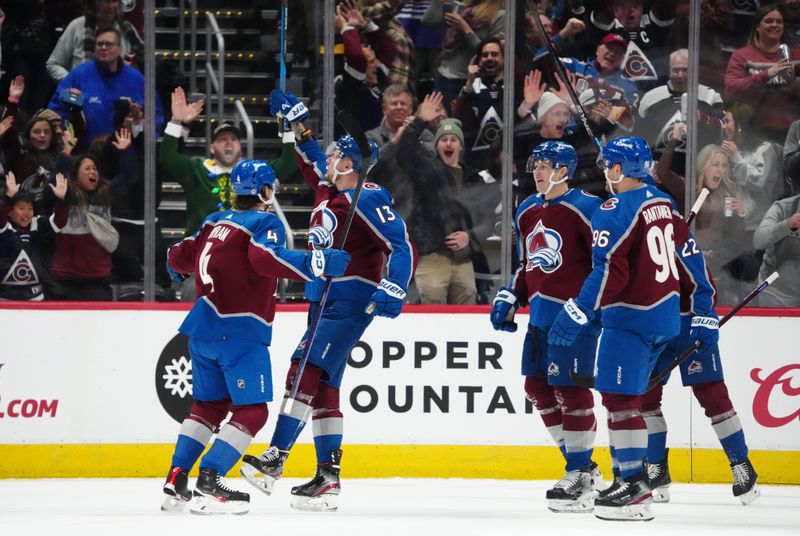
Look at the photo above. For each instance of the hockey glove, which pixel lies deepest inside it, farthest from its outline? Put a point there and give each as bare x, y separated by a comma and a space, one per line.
387, 300
328, 262
705, 329
504, 307
319, 237
288, 106
569, 324
175, 276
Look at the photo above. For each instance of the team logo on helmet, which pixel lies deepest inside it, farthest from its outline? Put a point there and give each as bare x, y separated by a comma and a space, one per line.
543, 249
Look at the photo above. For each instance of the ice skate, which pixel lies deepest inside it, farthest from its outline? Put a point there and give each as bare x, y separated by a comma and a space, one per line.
626, 500
659, 480
576, 491
744, 482
321, 493
176, 489
263, 471
213, 496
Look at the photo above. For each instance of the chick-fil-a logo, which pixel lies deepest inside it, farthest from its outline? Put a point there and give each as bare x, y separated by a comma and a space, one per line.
783, 377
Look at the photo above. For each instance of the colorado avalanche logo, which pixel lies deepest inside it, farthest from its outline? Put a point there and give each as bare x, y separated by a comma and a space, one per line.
637, 66
322, 215
695, 367
543, 249
609, 204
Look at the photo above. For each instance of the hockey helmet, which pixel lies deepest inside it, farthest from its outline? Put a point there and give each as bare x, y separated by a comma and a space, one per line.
633, 154
348, 148
249, 177
561, 154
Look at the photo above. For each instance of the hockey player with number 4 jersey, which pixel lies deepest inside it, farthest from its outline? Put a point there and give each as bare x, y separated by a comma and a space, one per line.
634, 282
237, 256
377, 233
554, 239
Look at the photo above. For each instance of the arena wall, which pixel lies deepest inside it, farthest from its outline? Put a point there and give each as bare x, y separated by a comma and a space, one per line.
96, 390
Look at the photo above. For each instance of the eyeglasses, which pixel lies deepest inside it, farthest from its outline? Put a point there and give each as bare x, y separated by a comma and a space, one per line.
106, 44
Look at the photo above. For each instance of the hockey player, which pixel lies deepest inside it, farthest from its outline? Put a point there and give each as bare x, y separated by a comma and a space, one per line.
554, 238
353, 300
238, 256
634, 281
703, 373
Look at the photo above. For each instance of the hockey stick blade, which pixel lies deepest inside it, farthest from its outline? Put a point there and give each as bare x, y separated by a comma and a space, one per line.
697, 205
655, 379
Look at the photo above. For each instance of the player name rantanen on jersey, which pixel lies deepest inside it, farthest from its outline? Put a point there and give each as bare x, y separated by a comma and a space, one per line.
657, 212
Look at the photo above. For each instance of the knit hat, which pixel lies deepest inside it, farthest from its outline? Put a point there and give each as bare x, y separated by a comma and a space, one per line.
449, 126
546, 103
48, 115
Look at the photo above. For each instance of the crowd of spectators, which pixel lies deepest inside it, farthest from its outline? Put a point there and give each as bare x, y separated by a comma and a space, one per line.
72, 103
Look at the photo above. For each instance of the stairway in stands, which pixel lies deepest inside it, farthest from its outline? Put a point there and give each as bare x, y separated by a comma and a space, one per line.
251, 33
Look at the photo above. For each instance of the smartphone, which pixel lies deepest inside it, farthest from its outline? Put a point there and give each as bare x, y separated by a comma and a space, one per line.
448, 7
70, 98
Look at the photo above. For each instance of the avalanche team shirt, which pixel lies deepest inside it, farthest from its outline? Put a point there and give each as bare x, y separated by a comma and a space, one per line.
634, 278
554, 240
237, 258
377, 230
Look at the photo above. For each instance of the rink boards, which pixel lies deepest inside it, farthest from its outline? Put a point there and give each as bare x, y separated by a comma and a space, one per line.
98, 390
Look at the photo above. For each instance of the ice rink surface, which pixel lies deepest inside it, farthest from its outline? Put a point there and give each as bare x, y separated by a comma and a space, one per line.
407, 507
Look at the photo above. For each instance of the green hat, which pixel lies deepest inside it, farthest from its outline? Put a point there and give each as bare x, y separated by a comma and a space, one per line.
449, 126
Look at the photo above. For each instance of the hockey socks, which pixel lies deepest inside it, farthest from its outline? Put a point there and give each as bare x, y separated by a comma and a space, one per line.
543, 397
656, 425
714, 399
327, 422
234, 438
578, 424
291, 423
196, 431
628, 432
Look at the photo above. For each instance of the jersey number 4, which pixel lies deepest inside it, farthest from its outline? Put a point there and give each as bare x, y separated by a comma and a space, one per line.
205, 258
661, 246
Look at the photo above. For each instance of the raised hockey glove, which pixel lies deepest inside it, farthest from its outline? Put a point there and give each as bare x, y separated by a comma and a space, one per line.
705, 329
288, 106
569, 323
328, 262
504, 307
387, 300
319, 237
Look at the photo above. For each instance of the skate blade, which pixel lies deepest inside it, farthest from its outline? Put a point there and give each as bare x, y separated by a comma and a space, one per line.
635, 512
322, 503
580, 506
751, 495
264, 483
174, 505
209, 506
661, 495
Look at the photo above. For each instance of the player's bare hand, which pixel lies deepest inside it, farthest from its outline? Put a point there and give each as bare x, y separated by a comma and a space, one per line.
60, 187
11, 184
457, 241
431, 107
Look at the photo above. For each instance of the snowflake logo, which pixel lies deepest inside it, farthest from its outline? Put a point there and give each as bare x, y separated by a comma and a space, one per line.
178, 378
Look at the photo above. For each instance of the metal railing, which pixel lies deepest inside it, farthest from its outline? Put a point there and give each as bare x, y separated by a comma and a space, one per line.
192, 41
215, 78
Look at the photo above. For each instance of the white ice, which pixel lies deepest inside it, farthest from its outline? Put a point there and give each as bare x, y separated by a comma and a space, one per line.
380, 507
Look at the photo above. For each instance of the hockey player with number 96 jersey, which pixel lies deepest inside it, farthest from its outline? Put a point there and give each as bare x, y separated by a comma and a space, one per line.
634, 282
378, 242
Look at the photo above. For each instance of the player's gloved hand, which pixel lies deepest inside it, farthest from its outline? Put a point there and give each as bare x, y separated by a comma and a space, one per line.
569, 323
175, 276
328, 262
387, 300
288, 106
320, 238
705, 329
504, 306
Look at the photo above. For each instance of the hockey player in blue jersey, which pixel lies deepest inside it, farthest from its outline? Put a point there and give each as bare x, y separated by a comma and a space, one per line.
634, 283
238, 256
375, 283
703, 373
554, 240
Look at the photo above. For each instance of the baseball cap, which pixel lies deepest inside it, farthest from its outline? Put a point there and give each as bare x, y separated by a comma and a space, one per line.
615, 38
226, 127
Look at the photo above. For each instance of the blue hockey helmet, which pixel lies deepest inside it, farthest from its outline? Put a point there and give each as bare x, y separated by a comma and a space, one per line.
633, 154
249, 177
561, 154
348, 148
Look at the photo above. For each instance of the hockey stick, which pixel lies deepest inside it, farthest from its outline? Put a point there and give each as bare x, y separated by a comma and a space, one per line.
284, 21
658, 378
562, 74
588, 381
352, 127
